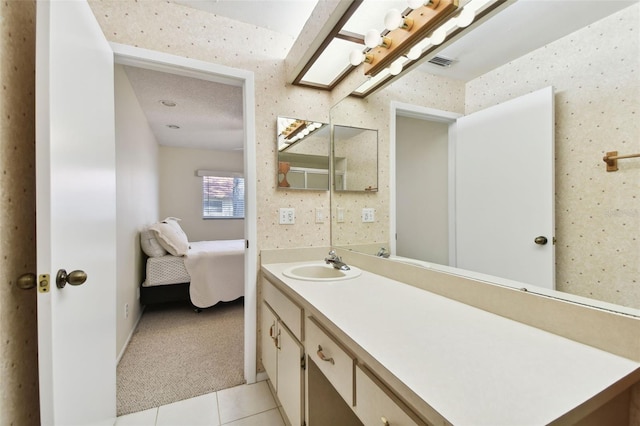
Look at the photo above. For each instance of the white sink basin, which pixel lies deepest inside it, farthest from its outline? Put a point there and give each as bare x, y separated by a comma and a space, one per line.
320, 272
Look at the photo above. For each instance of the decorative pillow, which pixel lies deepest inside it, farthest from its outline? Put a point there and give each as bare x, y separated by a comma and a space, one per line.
171, 236
150, 245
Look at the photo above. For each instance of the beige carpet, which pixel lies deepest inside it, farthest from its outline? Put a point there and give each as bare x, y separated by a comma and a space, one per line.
176, 353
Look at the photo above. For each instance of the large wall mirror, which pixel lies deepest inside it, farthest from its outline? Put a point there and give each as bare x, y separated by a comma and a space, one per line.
303, 154
597, 225
355, 159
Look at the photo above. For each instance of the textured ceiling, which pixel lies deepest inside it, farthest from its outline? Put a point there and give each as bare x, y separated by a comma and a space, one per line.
209, 114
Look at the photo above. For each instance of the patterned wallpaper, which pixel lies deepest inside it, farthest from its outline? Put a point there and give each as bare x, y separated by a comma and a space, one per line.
180, 30
596, 76
18, 328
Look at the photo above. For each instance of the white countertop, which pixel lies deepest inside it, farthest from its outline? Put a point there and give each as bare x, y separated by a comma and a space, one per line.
473, 367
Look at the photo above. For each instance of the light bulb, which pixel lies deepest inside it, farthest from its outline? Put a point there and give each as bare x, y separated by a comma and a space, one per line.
438, 36
356, 57
465, 18
415, 52
372, 39
393, 19
395, 68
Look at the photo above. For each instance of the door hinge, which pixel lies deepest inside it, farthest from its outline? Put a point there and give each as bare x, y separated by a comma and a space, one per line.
303, 362
43, 283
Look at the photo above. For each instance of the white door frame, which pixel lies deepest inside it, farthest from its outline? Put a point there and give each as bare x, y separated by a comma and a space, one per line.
429, 114
158, 61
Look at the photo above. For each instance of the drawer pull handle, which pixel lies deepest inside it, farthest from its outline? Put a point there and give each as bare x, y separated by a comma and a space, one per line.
323, 357
384, 421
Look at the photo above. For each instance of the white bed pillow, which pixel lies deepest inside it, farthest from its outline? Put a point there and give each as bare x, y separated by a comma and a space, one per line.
150, 245
171, 236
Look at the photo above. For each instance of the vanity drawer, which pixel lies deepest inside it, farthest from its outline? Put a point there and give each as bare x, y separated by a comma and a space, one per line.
288, 312
375, 403
331, 359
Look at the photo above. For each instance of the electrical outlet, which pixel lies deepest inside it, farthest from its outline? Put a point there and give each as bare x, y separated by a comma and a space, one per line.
126, 310
319, 215
287, 216
368, 215
340, 214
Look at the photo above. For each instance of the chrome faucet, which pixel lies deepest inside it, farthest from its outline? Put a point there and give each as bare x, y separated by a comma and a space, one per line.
383, 253
336, 261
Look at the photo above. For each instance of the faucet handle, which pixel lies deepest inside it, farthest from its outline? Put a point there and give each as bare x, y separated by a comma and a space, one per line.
332, 253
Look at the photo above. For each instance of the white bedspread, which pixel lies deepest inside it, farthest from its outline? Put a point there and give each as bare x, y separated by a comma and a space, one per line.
217, 271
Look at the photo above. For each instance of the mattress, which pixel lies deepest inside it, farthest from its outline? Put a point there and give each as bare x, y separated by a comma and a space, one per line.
166, 270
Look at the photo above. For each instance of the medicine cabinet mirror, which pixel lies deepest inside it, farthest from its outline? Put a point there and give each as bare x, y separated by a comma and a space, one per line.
355, 159
303, 154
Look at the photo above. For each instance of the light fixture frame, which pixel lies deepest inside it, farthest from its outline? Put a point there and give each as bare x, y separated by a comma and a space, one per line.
425, 20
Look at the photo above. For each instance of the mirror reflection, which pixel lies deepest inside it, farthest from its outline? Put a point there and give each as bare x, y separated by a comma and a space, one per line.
355, 159
596, 213
303, 154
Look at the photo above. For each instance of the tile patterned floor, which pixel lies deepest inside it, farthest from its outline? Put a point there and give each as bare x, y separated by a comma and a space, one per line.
246, 405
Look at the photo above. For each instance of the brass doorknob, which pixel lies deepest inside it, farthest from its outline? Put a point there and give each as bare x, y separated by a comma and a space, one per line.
540, 240
27, 281
74, 278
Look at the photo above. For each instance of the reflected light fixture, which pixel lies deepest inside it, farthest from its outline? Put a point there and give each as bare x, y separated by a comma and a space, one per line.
294, 130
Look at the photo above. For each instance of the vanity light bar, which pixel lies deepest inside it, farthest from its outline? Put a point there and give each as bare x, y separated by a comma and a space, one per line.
425, 19
474, 13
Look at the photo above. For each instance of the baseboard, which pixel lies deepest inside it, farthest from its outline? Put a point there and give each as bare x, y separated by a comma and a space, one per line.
126, 344
261, 376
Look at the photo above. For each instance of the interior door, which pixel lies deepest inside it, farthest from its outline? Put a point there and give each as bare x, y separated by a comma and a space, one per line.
505, 190
76, 216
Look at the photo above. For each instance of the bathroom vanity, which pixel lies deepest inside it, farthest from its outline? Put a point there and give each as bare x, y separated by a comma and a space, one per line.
376, 351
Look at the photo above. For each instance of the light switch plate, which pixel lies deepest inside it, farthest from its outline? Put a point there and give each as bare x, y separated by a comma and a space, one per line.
340, 214
368, 215
319, 215
287, 216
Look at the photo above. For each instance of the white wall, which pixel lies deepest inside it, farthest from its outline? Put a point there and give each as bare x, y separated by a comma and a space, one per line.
422, 190
136, 199
181, 190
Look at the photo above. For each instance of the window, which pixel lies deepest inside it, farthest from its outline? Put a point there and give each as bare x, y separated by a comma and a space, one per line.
222, 196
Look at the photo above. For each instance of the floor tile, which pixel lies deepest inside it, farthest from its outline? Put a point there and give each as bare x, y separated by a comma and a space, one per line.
198, 411
268, 418
243, 401
142, 418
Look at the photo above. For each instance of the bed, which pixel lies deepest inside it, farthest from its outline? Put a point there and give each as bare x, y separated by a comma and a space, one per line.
203, 272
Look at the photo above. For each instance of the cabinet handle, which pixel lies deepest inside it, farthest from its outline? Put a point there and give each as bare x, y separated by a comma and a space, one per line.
271, 329
384, 421
322, 356
277, 340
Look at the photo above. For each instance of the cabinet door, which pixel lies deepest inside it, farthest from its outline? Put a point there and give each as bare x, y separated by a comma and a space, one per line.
375, 404
268, 333
290, 375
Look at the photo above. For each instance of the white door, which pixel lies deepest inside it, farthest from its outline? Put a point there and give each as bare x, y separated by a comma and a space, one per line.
76, 216
505, 190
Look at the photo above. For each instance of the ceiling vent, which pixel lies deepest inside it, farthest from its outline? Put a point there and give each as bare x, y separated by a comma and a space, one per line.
441, 61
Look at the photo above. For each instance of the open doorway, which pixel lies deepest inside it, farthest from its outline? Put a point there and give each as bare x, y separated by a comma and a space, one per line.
422, 183
177, 168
